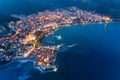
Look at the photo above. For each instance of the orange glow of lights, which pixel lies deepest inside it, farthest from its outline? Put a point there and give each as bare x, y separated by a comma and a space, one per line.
17, 32
46, 59
28, 52
39, 63
107, 19
51, 48
28, 39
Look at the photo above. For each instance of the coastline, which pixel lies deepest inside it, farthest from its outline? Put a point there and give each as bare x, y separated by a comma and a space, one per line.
6, 64
30, 31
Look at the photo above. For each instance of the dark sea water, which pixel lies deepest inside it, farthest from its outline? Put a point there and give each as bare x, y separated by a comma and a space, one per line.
96, 55
89, 52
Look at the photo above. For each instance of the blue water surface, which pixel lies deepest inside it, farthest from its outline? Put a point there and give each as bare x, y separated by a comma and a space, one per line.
96, 55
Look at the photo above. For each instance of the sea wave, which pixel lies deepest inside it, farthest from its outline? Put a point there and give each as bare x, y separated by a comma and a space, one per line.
24, 61
34, 65
39, 68
23, 78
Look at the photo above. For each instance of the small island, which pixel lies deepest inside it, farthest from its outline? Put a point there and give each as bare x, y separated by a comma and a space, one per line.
26, 35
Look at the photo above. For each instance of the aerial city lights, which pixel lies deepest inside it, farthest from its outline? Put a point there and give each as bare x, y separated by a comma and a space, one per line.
27, 34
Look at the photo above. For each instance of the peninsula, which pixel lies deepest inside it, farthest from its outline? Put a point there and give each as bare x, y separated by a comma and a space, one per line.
25, 38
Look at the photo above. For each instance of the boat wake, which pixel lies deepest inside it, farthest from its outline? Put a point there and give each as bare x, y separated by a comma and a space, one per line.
66, 47
70, 46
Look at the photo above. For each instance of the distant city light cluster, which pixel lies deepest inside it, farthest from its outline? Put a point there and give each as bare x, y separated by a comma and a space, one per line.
24, 41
